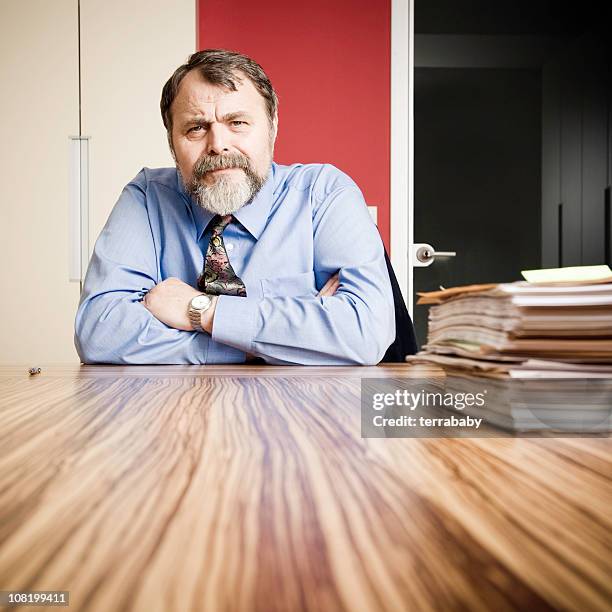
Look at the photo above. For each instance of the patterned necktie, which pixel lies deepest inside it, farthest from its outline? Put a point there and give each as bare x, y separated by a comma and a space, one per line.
218, 276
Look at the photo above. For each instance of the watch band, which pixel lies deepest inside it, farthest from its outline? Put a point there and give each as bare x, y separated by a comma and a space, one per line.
195, 318
195, 314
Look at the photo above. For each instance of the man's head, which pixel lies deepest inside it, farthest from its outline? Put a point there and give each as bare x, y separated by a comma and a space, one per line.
221, 115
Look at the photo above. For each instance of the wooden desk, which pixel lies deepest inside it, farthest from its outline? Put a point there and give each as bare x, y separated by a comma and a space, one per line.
250, 488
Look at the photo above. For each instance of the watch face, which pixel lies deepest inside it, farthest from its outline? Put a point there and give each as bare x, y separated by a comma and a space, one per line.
200, 302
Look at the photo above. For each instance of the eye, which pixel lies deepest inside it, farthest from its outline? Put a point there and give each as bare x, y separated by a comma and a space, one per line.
238, 123
195, 128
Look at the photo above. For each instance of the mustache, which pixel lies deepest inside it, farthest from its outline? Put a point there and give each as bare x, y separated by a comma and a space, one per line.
208, 163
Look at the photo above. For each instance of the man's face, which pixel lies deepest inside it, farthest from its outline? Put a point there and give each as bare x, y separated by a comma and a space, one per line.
222, 141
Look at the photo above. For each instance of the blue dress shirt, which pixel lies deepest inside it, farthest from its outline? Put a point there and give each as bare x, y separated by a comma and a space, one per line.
307, 223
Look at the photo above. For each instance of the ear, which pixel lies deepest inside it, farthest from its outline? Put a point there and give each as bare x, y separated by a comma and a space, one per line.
274, 128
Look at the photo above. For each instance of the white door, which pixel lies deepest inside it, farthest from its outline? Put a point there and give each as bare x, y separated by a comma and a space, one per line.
127, 51
39, 110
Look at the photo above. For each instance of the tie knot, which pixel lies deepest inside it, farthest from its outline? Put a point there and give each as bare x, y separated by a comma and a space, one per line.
220, 223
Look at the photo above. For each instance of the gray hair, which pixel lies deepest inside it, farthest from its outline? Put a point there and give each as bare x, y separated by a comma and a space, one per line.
219, 67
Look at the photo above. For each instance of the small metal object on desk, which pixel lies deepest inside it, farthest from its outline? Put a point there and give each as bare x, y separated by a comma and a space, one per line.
33, 371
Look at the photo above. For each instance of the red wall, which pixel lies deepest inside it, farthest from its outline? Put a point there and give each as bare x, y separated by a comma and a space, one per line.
329, 61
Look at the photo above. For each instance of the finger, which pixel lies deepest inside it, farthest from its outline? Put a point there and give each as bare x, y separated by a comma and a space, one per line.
332, 290
329, 288
332, 285
326, 287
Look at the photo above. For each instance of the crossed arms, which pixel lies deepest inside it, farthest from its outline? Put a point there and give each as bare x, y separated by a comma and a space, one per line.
350, 321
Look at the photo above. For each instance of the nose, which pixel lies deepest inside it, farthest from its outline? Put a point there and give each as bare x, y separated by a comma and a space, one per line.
218, 139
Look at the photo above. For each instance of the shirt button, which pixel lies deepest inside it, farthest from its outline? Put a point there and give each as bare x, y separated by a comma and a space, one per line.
229, 247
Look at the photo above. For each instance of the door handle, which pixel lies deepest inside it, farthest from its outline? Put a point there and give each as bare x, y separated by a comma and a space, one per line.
79, 208
424, 254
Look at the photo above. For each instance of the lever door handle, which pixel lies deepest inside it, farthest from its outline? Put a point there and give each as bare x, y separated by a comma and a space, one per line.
424, 254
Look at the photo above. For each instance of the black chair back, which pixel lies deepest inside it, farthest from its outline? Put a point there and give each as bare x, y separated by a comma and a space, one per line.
405, 340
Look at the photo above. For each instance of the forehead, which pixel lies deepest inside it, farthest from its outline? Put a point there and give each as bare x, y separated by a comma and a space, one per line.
197, 96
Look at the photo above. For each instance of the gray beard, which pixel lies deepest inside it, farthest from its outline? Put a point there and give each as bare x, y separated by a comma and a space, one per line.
226, 195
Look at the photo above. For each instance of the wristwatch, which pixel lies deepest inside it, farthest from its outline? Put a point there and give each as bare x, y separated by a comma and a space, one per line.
197, 306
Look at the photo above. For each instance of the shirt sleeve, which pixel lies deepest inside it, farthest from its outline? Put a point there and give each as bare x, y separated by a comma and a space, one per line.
112, 325
355, 326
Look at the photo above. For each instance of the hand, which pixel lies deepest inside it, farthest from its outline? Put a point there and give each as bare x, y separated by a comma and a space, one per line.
330, 287
169, 301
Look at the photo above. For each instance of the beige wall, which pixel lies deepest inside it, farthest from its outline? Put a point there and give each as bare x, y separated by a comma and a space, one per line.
128, 50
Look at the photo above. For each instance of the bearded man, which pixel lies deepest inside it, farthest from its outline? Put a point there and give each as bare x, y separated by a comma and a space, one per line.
229, 256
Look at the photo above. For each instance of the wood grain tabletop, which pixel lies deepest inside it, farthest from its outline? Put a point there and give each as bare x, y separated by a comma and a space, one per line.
227, 488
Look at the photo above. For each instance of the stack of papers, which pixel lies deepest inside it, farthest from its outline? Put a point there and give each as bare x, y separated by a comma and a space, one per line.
555, 332
498, 327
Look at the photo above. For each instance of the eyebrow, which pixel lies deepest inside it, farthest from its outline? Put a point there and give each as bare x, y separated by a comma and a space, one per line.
236, 115
227, 117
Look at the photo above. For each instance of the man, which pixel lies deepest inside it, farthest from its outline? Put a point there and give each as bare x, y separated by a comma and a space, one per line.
230, 256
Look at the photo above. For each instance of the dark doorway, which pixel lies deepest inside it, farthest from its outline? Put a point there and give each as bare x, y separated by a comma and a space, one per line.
477, 188
512, 138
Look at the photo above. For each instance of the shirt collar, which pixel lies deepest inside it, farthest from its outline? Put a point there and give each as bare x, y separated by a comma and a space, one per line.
253, 216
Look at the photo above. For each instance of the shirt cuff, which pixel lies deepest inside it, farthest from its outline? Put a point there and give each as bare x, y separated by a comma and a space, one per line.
235, 320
